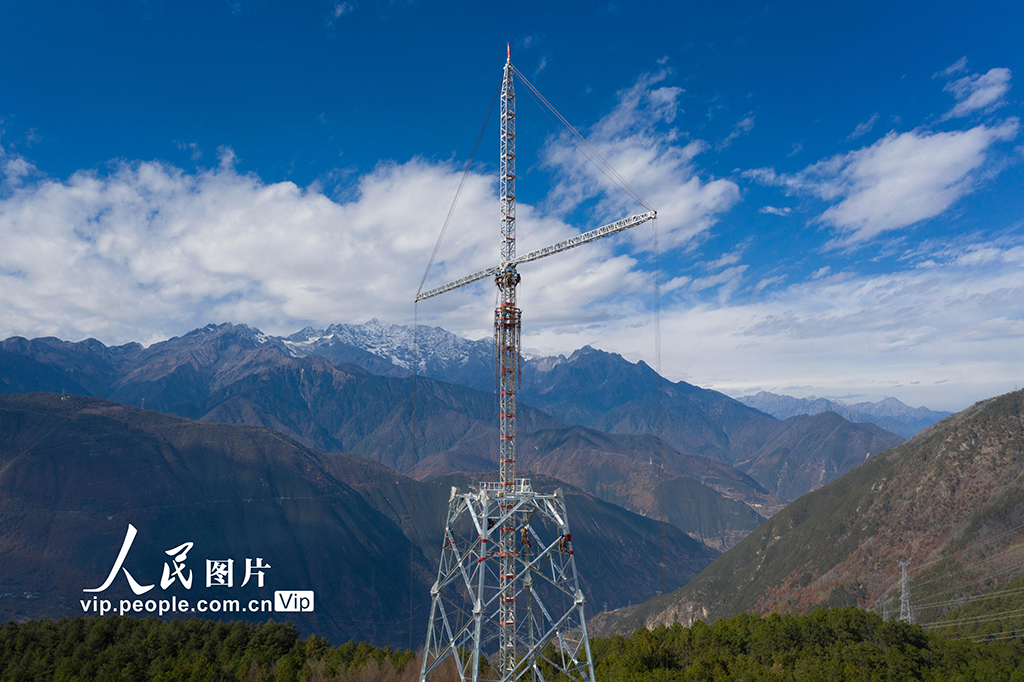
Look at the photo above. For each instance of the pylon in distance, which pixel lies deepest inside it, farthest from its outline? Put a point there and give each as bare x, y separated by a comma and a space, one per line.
905, 593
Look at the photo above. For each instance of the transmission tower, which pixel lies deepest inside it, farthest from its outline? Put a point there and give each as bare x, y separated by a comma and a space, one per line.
507, 600
905, 593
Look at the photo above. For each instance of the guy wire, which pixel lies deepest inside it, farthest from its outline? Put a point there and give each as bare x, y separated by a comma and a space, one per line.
416, 347
458, 192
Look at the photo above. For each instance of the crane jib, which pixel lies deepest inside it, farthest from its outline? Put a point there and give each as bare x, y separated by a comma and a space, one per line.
578, 240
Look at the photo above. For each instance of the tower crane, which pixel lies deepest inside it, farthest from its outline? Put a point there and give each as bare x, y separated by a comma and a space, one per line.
501, 610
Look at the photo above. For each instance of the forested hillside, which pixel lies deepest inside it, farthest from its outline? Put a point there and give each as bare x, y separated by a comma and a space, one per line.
838, 644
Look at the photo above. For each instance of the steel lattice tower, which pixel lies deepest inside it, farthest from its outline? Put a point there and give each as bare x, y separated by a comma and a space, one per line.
905, 615
500, 610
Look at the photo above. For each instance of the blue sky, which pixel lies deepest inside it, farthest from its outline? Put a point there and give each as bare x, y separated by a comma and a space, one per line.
839, 186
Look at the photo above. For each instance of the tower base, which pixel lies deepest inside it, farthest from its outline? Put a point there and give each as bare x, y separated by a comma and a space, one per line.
507, 603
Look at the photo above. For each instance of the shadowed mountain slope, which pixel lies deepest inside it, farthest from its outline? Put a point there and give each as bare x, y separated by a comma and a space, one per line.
620, 555
808, 451
234, 374
604, 391
949, 500
706, 498
75, 471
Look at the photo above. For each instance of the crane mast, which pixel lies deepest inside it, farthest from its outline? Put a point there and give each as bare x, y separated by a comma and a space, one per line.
507, 315
507, 328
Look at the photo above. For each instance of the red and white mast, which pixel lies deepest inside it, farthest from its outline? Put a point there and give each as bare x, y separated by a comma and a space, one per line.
506, 338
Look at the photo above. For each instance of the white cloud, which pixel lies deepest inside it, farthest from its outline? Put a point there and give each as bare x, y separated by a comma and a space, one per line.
821, 272
658, 162
16, 169
955, 327
767, 282
863, 128
731, 258
226, 157
730, 277
976, 92
742, 127
675, 283
773, 210
899, 180
148, 251
956, 67
195, 153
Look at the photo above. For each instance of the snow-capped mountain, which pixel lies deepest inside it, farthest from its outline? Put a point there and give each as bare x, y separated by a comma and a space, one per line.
392, 350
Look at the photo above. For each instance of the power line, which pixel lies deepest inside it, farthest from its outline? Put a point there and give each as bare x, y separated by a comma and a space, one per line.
963, 568
974, 620
966, 600
1013, 634
973, 545
978, 579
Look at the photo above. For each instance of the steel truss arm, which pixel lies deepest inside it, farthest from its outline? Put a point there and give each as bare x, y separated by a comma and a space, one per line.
578, 240
461, 282
587, 237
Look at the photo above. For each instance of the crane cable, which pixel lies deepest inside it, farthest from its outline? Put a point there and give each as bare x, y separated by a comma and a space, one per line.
458, 192
415, 324
617, 180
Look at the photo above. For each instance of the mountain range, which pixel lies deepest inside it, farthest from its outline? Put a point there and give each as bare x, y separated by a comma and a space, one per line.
949, 501
660, 438
397, 350
603, 391
889, 413
250, 443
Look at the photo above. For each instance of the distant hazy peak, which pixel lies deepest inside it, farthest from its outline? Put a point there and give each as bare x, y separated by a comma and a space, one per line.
889, 412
